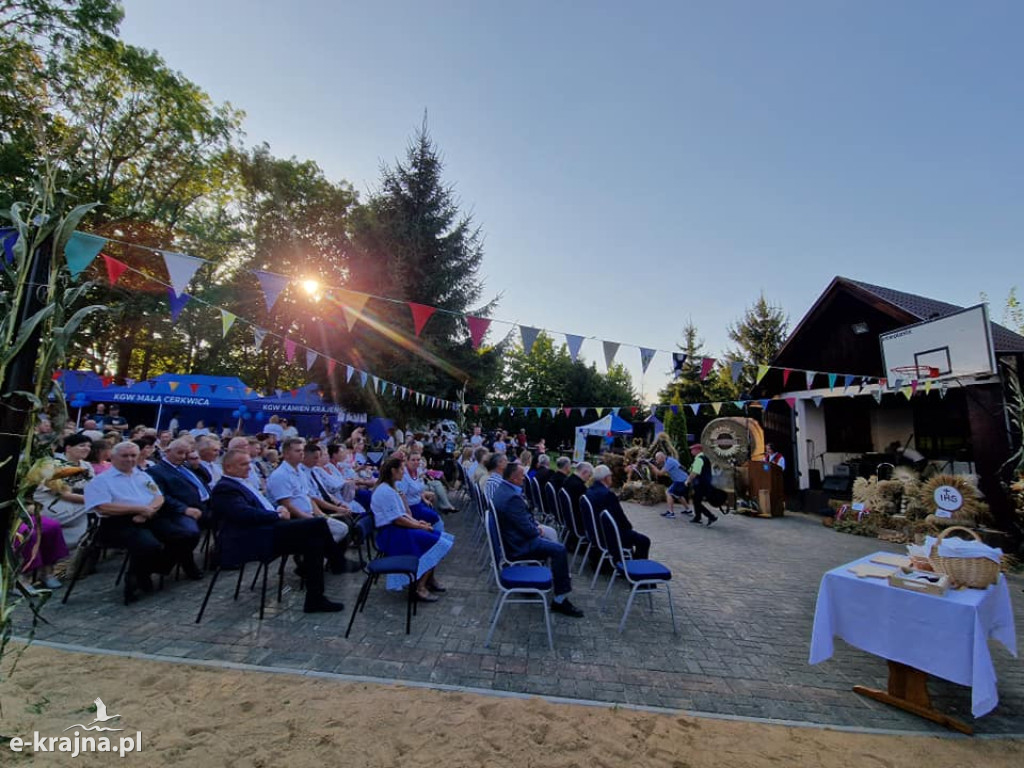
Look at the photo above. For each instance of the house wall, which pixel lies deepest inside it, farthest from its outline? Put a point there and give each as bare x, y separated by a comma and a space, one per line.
891, 426
810, 424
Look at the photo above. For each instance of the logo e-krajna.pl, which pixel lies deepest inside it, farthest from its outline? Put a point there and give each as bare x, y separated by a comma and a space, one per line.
78, 743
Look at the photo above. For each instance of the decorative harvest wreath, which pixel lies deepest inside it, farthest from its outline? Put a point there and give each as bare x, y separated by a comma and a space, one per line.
726, 441
973, 507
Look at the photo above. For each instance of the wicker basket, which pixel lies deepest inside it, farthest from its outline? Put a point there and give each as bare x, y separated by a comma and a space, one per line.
973, 572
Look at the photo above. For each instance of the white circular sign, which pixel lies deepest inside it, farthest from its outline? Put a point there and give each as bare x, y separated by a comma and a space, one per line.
948, 498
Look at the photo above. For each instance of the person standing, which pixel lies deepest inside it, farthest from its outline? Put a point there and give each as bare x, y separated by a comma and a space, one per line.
700, 481
771, 456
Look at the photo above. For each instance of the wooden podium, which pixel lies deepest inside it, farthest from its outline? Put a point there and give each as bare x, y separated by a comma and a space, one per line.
762, 476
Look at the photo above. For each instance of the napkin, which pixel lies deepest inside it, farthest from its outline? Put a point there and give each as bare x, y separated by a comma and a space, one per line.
962, 548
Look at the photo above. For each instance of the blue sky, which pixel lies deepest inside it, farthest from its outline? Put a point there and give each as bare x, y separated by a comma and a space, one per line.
633, 167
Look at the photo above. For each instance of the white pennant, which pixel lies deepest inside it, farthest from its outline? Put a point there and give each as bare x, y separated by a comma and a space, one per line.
311, 357
610, 350
260, 335
181, 268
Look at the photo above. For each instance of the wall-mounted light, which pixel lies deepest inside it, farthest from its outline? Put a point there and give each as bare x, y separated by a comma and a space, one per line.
859, 328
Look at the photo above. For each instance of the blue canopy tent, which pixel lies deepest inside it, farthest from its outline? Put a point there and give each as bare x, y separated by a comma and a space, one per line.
305, 407
607, 427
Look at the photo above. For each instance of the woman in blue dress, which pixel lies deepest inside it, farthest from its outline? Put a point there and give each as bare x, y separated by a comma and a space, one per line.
417, 497
399, 533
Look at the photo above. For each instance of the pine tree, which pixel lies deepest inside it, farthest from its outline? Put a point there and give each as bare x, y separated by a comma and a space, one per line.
758, 337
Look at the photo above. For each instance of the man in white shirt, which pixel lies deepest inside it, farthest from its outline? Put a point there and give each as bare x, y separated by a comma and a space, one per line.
208, 448
477, 439
289, 488
129, 501
273, 427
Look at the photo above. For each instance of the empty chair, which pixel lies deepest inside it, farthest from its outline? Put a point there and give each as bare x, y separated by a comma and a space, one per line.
644, 575
378, 565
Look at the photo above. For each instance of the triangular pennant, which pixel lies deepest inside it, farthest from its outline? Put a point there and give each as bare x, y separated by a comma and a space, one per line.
477, 328
735, 370
227, 319
540, 412
9, 237
764, 403
927, 386
761, 371
674, 408
632, 411
352, 305
817, 400
181, 268
363, 376
810, 378
289, 350
906, 392
173, 385
420, 314
897, 383
349, 370
553, 412
678, 359
311, 356
194, 387
177, 303
785, 376
646, 355
293, 392
574, 343
791, 402
695, 407
601, 411
272, 285
582, 411
376, 383
716, 407
741, 404
259, 334
611, 348
567, 411
529, 337
80, 251
877, 394
943, 387
706, 364
913, 386
106, 381
832, 381
115, 268
848, 380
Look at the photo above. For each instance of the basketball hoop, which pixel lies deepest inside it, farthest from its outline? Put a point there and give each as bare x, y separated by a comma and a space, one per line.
915, 372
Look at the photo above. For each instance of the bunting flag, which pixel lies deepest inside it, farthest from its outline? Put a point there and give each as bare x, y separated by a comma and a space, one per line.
877, 394
601, 412
943, 387
611, 348
906, 392
80, 251
761, 371
785, 376
259, 335
928, 386
706, 365
181, 269
115, 268
695, 407
897, 383
913, 386
632, 411
352, 305
817, 400
311, 356
289, 350
529, 337
848, 380
582, 411
194, 387
567, 411
477, 328
271, 285
553, 412
678, 360
832, 381
764, 403
376, 384
420, 314
362, 378
173, 385
574, 343
349, 370
331, 365
740, 404
674, 408
716, 407
736, 370
540, 412
646, 355
177, 303
791, 402
227, 319
810, 378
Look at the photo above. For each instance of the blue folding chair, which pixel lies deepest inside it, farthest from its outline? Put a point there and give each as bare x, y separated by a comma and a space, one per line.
378, 565
644, 575
596, 536
565, 504
531, 582
551, 502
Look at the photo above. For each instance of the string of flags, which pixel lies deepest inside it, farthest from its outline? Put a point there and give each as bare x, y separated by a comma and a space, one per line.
83, 248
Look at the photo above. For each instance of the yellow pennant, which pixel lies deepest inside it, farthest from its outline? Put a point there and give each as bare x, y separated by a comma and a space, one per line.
227, 319
907, 392
761, 371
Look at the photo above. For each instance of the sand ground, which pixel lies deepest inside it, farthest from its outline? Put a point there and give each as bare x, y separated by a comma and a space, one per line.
211, 717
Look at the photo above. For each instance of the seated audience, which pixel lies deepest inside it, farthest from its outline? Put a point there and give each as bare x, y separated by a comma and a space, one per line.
61, 497
399, 533
602, 498
523, 539
99, 456
576, 486
495, 466
252, 528
417, 498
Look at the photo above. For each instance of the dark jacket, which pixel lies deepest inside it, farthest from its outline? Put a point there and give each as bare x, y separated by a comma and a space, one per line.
518, 530
556, 479
246, 528
178, 491
601, 498
576, 489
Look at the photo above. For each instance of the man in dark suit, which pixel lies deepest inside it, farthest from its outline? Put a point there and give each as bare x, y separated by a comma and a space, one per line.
576, 486
185, 501
251, 528
563, 467
522, 536
601, 498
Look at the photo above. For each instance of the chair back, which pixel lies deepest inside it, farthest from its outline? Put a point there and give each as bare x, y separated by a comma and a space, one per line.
552, 504
590, 524
613, 538
367, 529
565, 504
494, 542
531, 497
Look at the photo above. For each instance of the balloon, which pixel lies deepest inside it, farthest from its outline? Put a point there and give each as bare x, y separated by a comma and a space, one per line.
260, 416
235, 414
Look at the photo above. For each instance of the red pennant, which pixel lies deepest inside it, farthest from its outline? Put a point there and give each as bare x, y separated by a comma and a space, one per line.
56, 375
107, 380
567, 411
289, 349
294, 393
632, 410
706, 364
913, 387
194, 388
477, 328
331, 365
476, 409
115, 268
785, 376
420, 314
791, 402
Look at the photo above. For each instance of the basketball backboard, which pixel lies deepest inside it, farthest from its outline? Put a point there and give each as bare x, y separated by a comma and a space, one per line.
949, 347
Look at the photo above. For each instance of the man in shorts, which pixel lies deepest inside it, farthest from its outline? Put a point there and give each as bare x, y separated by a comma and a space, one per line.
678, 490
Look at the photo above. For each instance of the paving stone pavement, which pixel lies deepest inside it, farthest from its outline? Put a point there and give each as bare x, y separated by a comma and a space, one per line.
744, 592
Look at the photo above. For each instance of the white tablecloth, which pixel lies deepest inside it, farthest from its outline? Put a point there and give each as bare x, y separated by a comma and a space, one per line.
943, 636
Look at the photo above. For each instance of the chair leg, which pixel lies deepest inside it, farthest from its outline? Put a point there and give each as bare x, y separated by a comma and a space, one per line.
209, 591
547, 620
671, 608
124, 567
238, 586
583, 558
82, 559
363, 591
604, 600
409, 603
494, 622
629, 604
597, 568
263, 594
280, 577
256, 576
